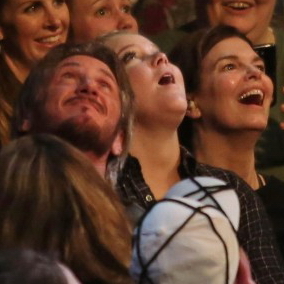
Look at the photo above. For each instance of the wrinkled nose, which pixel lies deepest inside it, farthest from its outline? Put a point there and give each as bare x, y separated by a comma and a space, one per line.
160, 58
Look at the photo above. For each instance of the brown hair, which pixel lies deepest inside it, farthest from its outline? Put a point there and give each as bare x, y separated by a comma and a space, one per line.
52, 198
5, 115
189, 53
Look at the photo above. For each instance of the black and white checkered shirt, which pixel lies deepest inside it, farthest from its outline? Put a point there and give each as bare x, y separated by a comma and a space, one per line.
255, 234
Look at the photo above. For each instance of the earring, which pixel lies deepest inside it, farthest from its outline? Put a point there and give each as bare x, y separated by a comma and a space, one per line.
191, 104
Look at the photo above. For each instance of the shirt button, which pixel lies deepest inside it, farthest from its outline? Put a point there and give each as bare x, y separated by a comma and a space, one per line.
149, 197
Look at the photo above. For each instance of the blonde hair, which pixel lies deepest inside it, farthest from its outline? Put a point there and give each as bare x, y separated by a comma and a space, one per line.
52, 199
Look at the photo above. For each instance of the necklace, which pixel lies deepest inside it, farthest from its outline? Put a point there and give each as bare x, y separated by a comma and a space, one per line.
260, 180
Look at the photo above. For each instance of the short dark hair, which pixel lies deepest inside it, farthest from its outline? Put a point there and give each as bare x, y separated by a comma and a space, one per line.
189, 53
32, 95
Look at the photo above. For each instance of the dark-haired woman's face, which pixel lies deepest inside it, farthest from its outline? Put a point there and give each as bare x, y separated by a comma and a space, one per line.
235, 93
31, 28
251, 17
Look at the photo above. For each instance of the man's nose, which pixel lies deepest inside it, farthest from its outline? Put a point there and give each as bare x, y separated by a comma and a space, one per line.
87, 87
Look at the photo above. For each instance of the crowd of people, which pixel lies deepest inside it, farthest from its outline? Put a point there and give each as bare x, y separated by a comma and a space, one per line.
122, 164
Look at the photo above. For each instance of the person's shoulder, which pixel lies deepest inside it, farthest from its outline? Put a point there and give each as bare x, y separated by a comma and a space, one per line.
231, 178
218, 172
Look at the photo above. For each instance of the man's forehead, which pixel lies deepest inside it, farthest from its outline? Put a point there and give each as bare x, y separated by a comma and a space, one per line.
86, 61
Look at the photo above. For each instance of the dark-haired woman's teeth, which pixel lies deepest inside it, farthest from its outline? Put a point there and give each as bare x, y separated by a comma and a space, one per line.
238, 5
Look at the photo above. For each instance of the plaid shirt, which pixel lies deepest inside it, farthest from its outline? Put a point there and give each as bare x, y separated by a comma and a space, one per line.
255, 234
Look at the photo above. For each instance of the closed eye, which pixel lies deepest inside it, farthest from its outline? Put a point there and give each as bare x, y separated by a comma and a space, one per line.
105, 84
68, 75
128, 56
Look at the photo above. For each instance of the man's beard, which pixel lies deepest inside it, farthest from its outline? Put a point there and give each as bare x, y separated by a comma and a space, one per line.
86, 136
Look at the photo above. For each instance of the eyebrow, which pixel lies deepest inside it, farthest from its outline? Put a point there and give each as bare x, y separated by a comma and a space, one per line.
96, 1
108, 74
234, 57
66, 64
102, 70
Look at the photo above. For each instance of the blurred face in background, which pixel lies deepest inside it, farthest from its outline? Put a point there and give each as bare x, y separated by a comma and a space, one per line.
251, 17
29, 29
92, 18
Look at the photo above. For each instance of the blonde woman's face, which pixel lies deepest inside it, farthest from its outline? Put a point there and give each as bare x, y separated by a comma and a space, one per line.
157, 84
251, 17
92, 18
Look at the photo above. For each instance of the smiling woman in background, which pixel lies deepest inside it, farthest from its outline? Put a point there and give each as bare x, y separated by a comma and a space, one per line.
28, 30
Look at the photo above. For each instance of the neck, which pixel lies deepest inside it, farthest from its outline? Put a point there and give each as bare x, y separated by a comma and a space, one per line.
100, 163
266, 37
159, 154
20, 70
234, 152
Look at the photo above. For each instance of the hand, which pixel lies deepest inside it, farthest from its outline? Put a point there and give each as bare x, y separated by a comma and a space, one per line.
244, 272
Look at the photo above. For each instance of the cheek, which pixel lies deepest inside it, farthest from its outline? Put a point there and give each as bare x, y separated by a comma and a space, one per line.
102, 25
269, 87
64, 15
26, 30
226, 83
137, 76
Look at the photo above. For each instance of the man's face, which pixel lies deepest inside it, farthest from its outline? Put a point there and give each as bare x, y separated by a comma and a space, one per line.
82, 104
